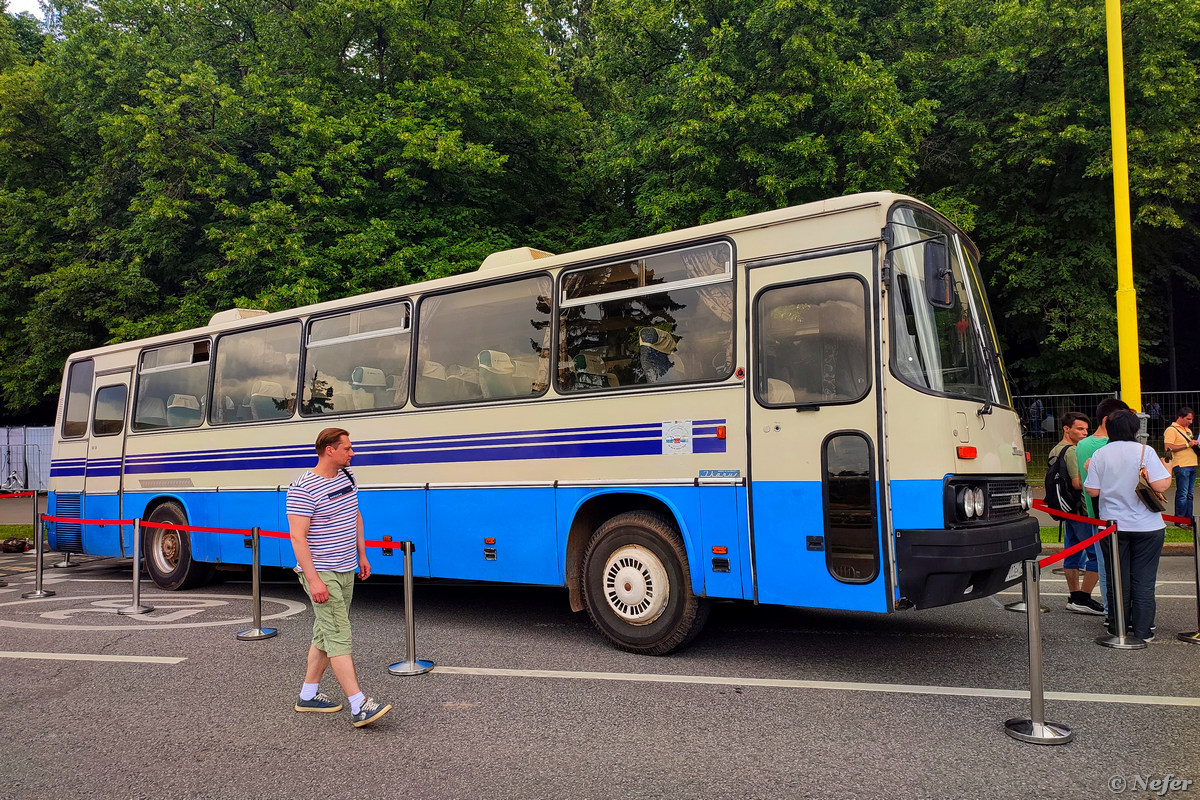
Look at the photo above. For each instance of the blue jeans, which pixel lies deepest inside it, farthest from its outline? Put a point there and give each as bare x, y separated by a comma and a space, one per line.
1074, 533
1140, 552
1185, 479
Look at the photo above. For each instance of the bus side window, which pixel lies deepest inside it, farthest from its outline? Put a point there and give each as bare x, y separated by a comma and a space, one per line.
357, 360
497, 356
812, 343
663, 319
109, 416
258, 370
851, 534
172, 385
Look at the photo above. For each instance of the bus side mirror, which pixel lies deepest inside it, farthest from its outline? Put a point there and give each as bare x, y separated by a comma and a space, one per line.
939, 279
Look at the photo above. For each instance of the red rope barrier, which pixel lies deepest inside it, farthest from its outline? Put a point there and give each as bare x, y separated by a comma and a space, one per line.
1075, 548
368, 543
48, 518
167, 527
1040, 505
17, 494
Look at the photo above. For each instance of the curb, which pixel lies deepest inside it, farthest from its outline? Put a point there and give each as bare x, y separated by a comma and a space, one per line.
1169, 548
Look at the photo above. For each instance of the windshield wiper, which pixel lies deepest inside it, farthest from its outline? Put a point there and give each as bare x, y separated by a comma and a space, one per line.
986, 409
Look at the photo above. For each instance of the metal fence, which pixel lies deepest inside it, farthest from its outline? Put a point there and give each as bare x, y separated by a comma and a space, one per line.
25, 458
1040, 415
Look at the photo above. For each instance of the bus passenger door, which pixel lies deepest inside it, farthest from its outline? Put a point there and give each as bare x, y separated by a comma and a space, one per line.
103, 481
814, 455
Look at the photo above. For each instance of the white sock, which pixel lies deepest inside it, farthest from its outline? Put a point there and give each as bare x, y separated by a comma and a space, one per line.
356, 702
309, 690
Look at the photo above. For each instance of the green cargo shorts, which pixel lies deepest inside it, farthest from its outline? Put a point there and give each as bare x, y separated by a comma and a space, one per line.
331, 629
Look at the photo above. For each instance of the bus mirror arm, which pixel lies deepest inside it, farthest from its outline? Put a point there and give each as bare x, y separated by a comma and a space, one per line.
985, 409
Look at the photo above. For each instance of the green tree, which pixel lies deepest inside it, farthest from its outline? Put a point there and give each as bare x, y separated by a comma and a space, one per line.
265, 153
1021, 152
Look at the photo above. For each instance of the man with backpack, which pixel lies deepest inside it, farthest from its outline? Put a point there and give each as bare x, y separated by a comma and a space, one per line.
1064, 492
1083, 452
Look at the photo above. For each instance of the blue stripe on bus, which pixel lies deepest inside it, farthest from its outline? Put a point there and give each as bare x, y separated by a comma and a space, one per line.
590, 442
917, 504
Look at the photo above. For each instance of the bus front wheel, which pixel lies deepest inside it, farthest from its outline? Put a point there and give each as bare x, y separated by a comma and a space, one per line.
168, 554
637, 586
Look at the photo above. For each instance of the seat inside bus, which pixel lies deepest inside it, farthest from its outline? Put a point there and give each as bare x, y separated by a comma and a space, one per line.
267, 401
183, 411
496, 374
657, 353
462, 383
151, 413
591, 370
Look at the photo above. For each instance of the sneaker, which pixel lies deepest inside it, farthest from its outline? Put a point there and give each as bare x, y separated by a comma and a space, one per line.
1149, 638
1085, 605
371, 711
322, 704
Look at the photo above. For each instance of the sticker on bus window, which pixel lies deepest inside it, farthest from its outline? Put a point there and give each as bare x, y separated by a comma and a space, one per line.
677, 437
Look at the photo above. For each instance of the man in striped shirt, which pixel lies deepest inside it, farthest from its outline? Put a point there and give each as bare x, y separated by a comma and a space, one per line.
327, 536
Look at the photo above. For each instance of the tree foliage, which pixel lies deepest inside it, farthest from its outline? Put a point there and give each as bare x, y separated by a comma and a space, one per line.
159, 162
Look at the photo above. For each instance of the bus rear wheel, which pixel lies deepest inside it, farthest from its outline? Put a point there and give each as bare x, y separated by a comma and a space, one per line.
168, 554
637, 586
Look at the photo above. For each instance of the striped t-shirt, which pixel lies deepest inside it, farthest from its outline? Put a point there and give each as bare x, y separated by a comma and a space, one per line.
332, 506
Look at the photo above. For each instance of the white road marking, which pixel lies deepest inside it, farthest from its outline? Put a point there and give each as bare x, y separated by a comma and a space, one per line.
290, 608
843, 686
92, 657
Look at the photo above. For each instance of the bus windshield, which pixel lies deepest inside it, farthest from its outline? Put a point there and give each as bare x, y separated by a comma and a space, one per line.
948, 348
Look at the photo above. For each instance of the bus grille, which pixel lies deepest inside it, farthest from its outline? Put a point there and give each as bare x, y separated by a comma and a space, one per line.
1004, 499
69, 535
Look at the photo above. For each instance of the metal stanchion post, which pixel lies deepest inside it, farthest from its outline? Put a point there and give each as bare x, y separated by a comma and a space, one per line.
137, 606
411, 665
1022, 605
1194, 636
1036, 729
1119, 640
258, 631
38, 536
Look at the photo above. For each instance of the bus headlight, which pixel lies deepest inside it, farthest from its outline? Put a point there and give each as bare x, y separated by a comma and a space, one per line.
977, 499
966, 502
1026, 497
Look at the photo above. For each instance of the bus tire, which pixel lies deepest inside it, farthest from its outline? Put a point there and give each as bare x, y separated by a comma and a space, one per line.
168, 554
637, 586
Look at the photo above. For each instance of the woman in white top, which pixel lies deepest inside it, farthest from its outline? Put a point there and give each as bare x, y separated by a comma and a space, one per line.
1113, 477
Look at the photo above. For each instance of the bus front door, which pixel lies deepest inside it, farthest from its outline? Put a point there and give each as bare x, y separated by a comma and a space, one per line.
102, 482
814, 456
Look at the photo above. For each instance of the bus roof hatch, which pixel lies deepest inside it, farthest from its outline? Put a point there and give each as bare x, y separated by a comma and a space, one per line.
507, 258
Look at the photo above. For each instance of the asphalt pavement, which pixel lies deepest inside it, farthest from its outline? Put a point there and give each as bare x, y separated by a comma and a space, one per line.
527, 701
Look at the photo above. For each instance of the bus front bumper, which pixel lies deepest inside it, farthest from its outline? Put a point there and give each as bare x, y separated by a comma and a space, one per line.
940, 567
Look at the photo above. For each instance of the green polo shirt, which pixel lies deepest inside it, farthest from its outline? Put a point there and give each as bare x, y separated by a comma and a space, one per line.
1084, 451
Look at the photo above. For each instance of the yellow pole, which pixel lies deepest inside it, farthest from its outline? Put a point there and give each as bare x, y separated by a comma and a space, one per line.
1127, 335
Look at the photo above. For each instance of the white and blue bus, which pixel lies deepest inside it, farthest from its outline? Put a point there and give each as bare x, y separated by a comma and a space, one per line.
805, 407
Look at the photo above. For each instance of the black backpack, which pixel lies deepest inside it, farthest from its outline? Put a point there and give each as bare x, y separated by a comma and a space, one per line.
1060, 494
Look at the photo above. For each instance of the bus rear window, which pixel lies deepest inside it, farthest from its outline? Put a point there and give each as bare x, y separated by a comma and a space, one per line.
79, 396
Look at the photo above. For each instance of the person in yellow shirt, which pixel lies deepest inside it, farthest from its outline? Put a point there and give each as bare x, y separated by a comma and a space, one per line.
1180, 442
